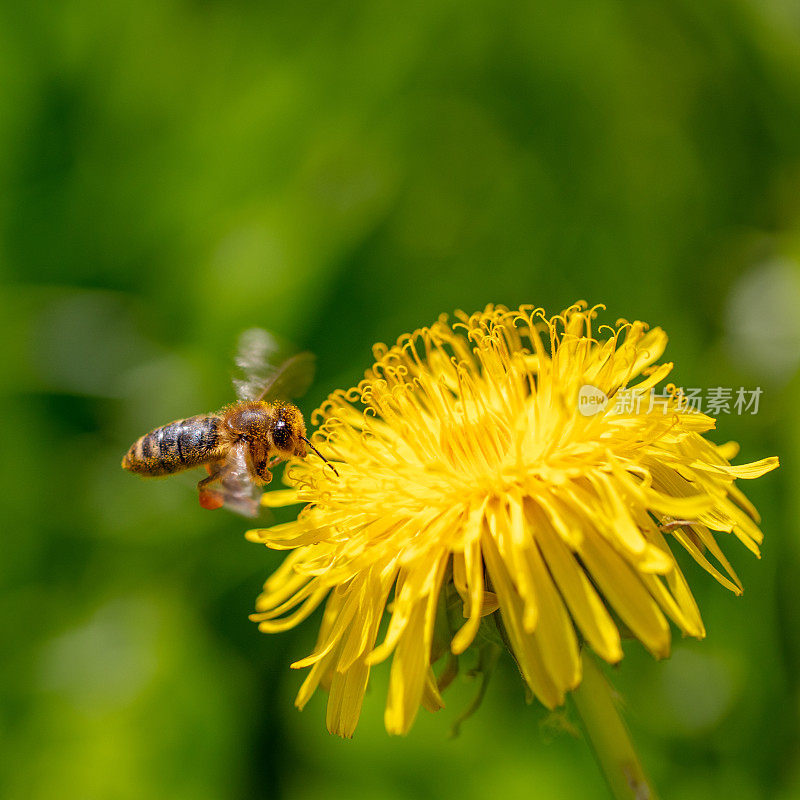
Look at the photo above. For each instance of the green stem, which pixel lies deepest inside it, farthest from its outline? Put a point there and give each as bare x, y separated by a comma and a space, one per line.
609, 736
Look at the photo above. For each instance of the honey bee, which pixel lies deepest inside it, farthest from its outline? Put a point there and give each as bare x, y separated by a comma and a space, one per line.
237, 445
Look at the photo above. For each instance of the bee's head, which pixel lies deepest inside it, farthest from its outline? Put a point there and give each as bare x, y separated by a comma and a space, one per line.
271, 430
278, 429
288, 431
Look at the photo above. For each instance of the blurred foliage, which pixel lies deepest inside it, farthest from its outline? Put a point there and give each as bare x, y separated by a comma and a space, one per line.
339, 173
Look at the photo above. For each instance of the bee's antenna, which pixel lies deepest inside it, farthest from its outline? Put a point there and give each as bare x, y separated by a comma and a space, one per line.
320, 455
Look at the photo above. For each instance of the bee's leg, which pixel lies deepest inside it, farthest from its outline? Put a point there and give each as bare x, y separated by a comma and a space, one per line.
208, 498
262, 474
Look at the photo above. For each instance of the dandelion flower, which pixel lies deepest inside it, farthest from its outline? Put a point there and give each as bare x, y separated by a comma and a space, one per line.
467, 464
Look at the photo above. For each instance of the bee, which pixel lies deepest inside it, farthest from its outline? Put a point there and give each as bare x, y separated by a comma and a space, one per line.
239, 444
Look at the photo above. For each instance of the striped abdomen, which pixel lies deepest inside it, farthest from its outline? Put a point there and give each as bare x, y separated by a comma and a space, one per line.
180, 445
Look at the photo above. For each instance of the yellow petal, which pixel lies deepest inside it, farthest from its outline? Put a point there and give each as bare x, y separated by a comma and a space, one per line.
627, 595
278, 498
584, 603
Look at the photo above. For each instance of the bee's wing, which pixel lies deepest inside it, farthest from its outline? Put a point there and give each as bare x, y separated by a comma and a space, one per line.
238, 491
290, 379
263, 373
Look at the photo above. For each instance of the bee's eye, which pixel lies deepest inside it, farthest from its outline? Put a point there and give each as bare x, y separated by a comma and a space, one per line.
281, 434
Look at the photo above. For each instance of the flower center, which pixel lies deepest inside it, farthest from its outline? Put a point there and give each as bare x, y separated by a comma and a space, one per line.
476, 448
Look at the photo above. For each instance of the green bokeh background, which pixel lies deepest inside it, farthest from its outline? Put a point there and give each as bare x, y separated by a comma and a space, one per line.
174, 172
